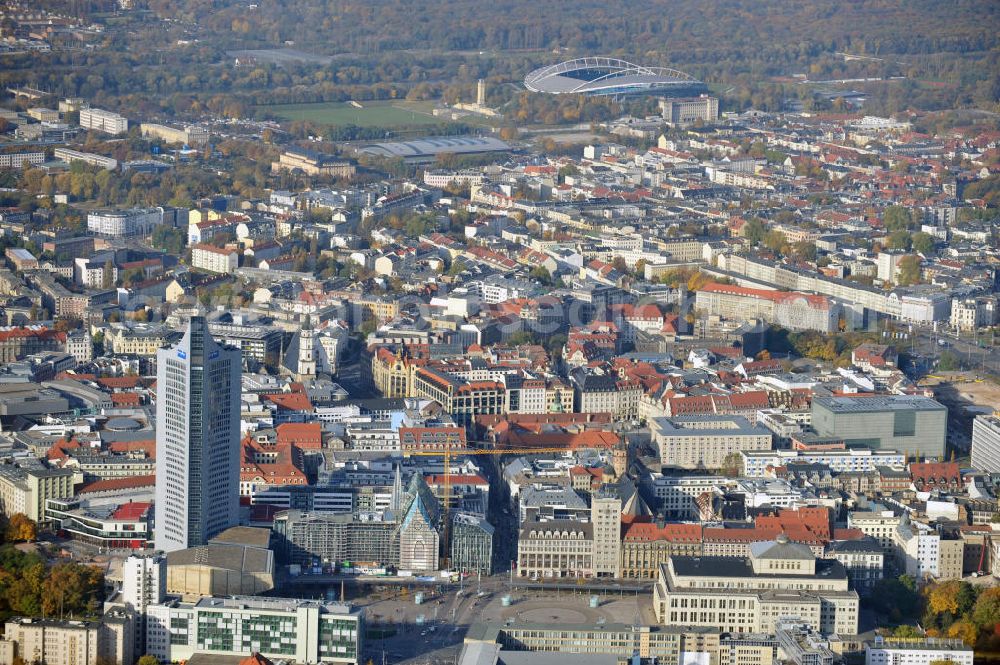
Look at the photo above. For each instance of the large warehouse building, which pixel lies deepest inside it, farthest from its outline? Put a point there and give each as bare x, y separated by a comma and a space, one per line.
611, 77
427, 149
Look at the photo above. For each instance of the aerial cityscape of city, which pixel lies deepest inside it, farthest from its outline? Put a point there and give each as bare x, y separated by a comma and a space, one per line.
445, 332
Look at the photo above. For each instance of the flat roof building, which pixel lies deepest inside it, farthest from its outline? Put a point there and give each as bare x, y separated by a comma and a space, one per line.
304, 631
986, 444
103, 121
779, 579
704, 442
917, 651
427, 149
109, 640
27, 490
913, 424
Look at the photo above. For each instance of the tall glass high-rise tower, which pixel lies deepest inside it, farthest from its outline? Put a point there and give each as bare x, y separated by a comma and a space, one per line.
197, 439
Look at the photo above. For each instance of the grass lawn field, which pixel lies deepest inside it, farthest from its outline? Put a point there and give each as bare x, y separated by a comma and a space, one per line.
396, 113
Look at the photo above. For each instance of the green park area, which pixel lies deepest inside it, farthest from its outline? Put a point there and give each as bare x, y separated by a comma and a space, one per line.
389, 114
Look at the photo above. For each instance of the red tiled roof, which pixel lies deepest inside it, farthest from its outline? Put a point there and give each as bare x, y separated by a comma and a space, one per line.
307, 436
568, 440
457, 479
35, 331
147, 446
648, 532
126, 399
119, 382
814, 301
131, 511
290, 401
113, 484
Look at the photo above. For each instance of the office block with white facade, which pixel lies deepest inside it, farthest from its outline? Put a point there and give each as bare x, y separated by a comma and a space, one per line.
144, 583
850, 460
704, 442
124, 223
103, 121
197, 439
214, 259
917, 651
779, 579
289, 629
986, 443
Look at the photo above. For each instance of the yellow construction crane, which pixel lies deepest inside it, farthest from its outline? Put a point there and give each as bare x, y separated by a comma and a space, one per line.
447, 453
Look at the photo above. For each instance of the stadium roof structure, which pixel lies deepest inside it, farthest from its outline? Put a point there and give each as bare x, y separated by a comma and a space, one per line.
611, 77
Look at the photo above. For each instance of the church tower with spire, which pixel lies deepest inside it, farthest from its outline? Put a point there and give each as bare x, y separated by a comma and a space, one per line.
619, 459
307, 353
397, 491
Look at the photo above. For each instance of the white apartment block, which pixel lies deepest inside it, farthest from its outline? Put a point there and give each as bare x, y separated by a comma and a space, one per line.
103, 121
144, 583
986, 444
795, 311
779, 579
968, 314
67, 642
190, 135
918, 549
916, 651
855, 460
304, 631
677, 495
91, 274
124, 223
606, 516
214, 259
880, 525
70, 156
17, 160
440, 178
80, 345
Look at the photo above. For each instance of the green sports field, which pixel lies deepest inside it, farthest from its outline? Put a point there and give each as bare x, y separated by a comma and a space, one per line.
373, 114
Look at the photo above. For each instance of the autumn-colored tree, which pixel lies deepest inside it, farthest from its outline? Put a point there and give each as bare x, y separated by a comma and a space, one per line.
909, 270
71, 588
943, 597
906, 631
508, 133
732, 465
897, 218
697, 280
986, 612
899, 240
764, 355
775, 241
68, 323
964, 630
20, 528
24, 592
923, 243
147, 660
754, 231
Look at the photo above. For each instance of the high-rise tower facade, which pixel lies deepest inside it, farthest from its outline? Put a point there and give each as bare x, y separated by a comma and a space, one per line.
197, 439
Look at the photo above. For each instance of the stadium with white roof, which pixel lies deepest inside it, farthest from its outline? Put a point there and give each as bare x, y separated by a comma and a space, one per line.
611, 77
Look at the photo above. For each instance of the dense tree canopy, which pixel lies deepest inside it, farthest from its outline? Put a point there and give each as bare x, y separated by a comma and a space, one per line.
399, 49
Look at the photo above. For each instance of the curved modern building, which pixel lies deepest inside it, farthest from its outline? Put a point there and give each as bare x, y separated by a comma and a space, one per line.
611, 77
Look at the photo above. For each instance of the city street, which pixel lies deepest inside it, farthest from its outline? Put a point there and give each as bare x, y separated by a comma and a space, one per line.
432, 633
